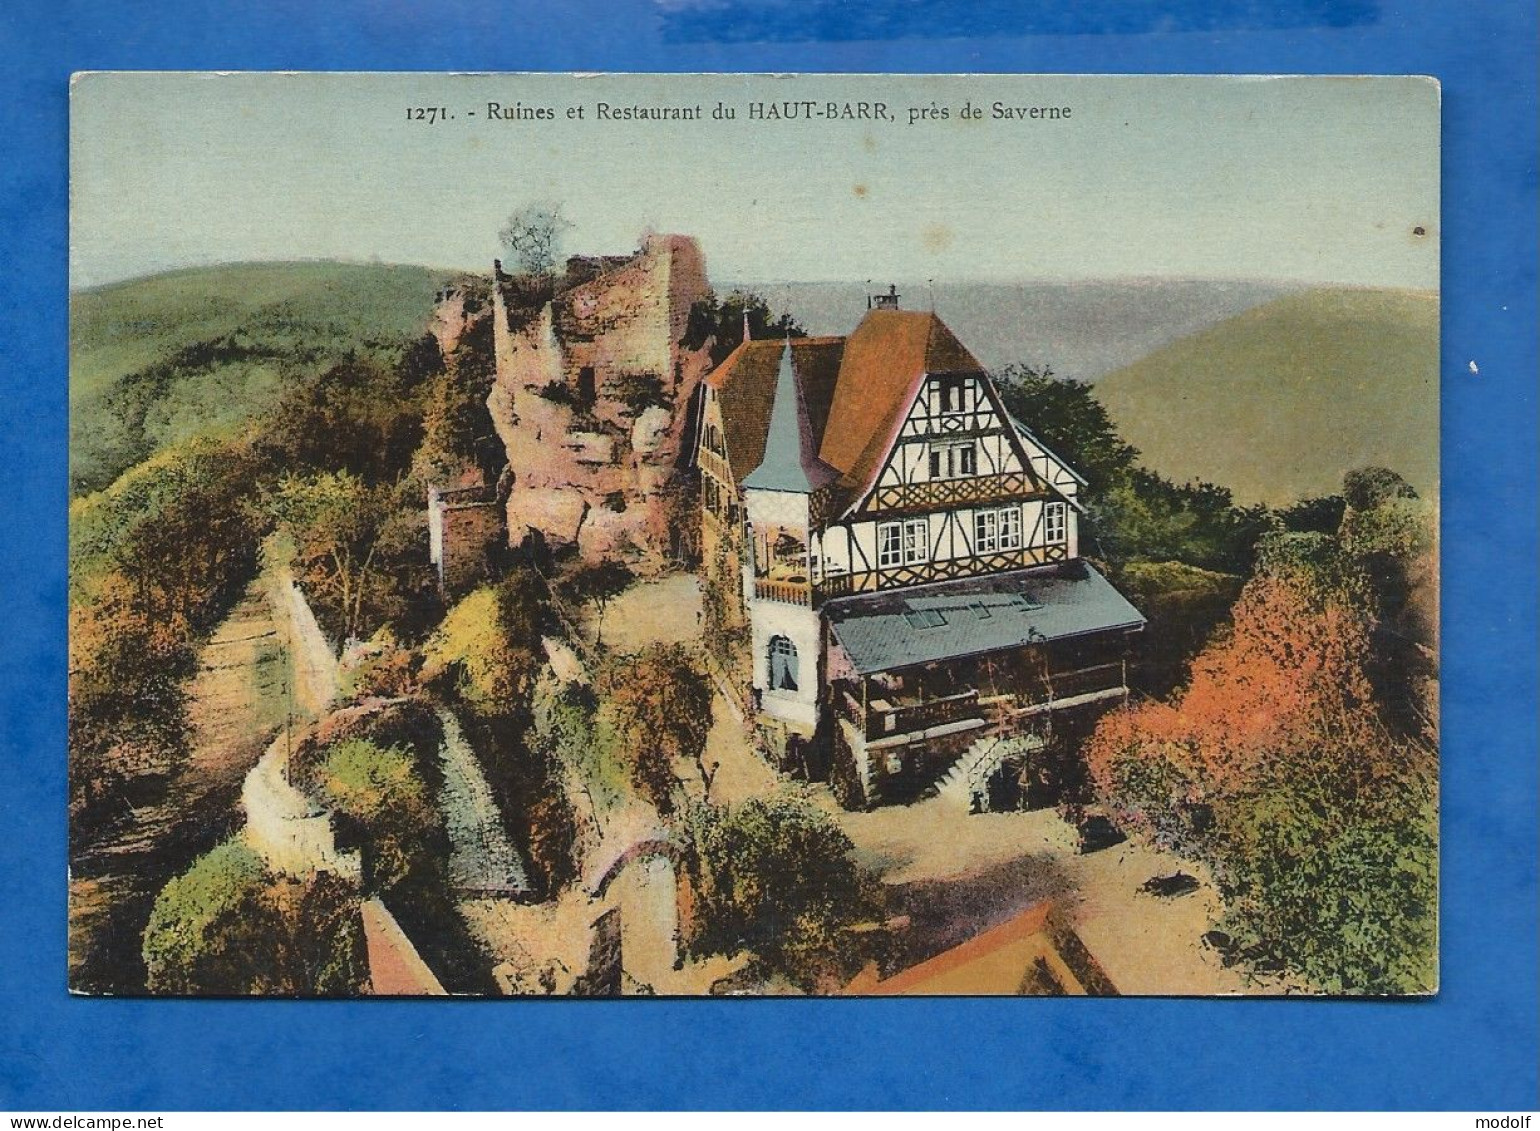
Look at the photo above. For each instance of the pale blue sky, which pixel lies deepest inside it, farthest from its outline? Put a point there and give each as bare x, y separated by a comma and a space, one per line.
1313, 180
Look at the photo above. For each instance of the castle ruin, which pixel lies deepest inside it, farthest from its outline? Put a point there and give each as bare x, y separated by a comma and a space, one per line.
592, 401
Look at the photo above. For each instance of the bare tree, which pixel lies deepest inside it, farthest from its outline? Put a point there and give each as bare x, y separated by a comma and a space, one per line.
532, 238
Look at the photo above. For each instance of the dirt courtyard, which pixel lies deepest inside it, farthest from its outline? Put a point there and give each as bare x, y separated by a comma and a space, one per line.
954, 873
664, 611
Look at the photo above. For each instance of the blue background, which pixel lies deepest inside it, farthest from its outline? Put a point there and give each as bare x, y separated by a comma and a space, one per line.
1474, 1047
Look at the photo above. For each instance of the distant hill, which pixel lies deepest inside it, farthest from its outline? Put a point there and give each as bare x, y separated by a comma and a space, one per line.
1082, 329
1278, 401
156, 360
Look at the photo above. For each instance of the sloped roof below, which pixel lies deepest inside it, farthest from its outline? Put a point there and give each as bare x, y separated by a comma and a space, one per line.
955, 619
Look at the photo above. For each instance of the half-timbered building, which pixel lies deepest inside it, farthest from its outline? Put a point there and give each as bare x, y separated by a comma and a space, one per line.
904, 557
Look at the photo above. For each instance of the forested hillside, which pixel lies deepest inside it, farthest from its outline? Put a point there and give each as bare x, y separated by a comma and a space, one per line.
160, 360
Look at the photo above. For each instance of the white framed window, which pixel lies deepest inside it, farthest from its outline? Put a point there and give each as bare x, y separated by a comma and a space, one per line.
953, 461
1055, 523
997, 529
916, 540
903, 543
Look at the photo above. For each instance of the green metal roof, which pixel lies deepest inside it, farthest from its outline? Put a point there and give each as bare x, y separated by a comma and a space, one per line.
953, 619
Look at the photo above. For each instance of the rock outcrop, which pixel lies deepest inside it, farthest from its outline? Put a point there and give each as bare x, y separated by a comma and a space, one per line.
592, 401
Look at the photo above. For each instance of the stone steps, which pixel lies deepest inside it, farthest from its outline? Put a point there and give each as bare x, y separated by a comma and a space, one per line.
970, 772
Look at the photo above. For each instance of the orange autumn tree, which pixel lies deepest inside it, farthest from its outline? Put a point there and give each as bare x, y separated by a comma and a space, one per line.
1276, 767
1291, 670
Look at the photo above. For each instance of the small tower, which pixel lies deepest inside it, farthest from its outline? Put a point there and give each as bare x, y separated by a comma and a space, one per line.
778, 568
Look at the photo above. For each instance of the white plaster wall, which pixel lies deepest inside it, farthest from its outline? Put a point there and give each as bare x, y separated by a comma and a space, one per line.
1047, 466
800, 625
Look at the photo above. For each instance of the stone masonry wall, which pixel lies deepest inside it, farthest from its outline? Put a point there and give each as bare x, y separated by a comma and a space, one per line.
463, 525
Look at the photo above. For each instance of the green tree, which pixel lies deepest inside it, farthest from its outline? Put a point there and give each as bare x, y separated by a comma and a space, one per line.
569, 726
1184, 606
1284, 765
532, 238
358, 416
155, 561
660, 704
1133, 514
212, 929
458, 431
778, 877
1067, 417
381, 793
720, 322
1365, 488
491, 647
597, 584
336, 521
226, 926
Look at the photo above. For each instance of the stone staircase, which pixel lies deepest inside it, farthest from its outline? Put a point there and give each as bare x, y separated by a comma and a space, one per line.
969, 776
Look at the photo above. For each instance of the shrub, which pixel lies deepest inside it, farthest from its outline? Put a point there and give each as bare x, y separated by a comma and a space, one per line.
778, 877
379, 790
384, 670
1368, 487
659, 704
227, 927
1281, 768
490, 646
569, 726
1184, 606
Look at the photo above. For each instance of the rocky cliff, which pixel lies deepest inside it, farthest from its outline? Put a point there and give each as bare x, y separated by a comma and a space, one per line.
592, 401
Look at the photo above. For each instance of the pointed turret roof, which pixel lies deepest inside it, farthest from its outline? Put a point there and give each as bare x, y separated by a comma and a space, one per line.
790, 460
847, 400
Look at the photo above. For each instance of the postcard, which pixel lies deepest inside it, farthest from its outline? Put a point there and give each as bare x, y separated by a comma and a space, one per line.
690, 535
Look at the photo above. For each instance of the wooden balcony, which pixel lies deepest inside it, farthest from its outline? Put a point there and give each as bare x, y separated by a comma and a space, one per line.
941, 494
1084, 681
883, 718
836, 585
945, 569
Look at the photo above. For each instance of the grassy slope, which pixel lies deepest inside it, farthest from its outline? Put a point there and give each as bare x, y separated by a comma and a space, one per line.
286, 316
1279, 401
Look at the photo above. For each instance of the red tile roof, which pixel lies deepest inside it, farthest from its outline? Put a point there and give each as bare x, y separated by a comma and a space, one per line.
745, 386
856, 390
